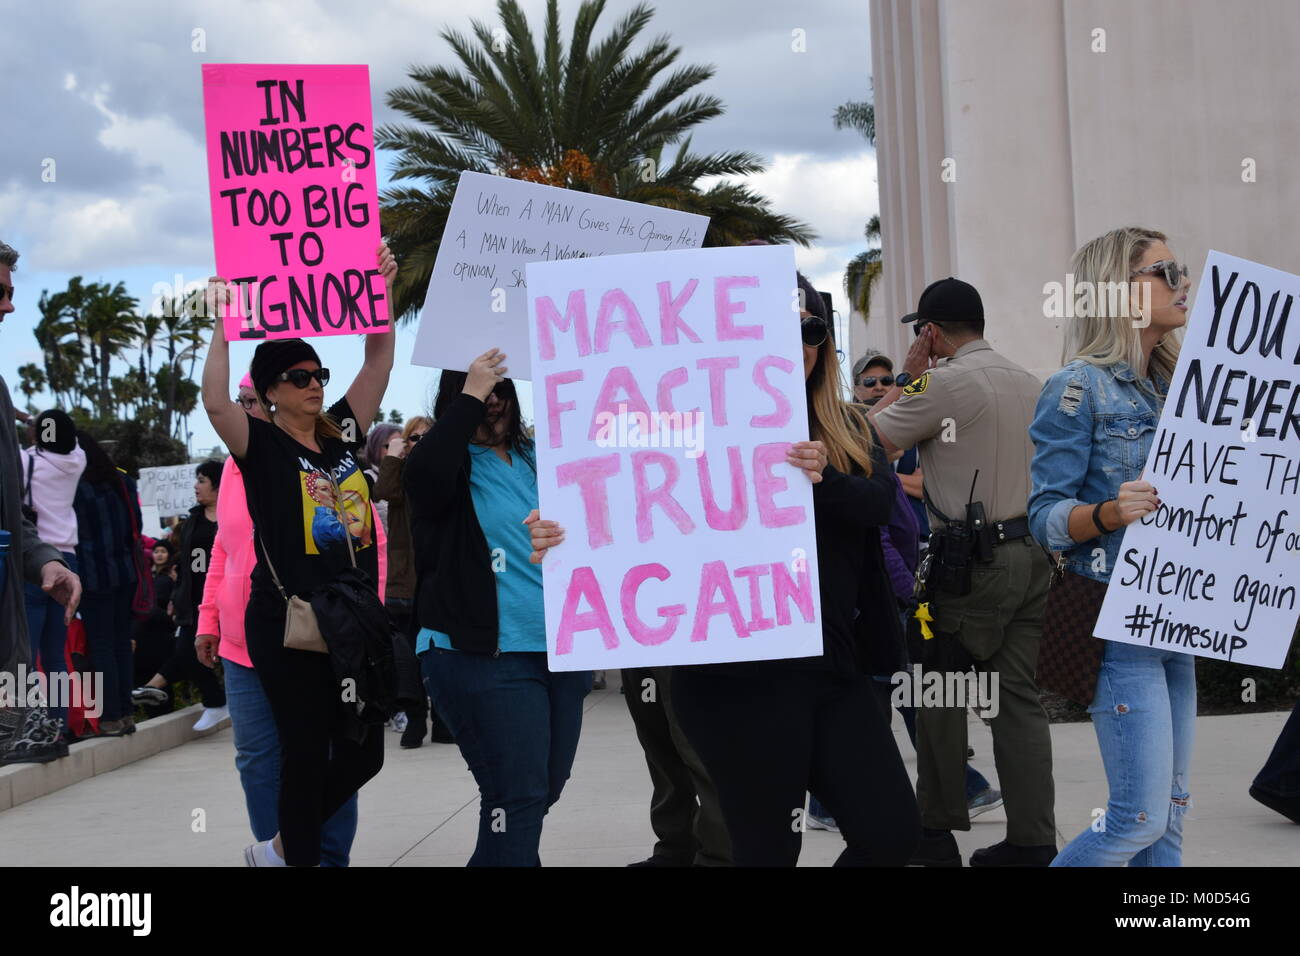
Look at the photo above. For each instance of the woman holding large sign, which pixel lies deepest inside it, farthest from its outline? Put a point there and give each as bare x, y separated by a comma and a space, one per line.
767, 731
312, 518
482, 643
1093, 430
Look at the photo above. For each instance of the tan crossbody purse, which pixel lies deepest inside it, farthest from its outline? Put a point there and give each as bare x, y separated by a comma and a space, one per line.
301, 630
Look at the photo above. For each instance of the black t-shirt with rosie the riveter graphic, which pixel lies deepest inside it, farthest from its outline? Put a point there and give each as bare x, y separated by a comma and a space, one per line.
294, 512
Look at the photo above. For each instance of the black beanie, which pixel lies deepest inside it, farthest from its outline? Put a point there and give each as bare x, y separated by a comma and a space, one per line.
274, 357
55, 431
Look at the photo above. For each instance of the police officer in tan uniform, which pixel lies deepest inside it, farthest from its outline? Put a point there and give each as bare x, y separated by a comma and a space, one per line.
969, 409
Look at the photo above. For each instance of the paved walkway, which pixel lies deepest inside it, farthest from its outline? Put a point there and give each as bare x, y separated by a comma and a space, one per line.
422, 809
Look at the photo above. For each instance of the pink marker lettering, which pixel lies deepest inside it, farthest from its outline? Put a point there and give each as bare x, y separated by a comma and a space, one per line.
724, 308
718, 383
670, 311
631, 324
713, 578
590, 475
554, 406
715, 517
784, 588
641, 632
608, 406
647, 497
781, 416
766, 485
575, 316
583, 584
756, 622
670, 380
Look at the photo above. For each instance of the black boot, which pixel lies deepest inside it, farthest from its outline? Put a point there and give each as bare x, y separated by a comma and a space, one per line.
1009, 854
413, 735
439, 734
937, 848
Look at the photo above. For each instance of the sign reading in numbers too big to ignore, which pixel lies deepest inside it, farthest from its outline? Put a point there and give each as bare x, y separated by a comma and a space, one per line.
295, 213
1213, 571
496, 226
668, 388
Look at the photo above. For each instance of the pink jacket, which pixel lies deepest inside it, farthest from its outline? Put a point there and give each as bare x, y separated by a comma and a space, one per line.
225, 595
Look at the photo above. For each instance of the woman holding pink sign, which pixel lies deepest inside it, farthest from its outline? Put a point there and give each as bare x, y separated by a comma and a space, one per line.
312, 519
769, 731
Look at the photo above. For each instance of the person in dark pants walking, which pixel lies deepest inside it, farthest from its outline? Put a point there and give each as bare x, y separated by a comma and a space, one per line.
108, 516
769, 731
471, 486
684, 810
311, 513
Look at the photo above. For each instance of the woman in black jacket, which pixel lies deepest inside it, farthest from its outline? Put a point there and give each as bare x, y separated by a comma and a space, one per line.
768, 731
470, 483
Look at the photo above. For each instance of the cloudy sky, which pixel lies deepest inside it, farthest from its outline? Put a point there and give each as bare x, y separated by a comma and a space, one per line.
111, 93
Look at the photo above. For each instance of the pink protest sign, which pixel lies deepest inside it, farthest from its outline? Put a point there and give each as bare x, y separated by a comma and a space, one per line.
668, 387
295, 211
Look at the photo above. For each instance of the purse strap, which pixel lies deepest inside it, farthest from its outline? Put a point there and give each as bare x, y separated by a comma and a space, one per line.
31, 464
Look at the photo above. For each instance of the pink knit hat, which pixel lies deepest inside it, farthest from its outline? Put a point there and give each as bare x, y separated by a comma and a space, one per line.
246, 381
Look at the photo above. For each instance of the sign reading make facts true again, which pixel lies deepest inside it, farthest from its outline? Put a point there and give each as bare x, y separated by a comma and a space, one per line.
1215, 570
668, 387
295, 213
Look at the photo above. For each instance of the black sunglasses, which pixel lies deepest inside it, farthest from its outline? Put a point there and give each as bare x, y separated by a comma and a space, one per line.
1174, 273
301, 377
415, 437
814, 330
870, 380
6, 292
246, 403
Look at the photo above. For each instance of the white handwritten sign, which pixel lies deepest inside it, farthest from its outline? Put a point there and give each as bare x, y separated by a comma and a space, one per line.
169, 488
1213, 571
669, 387
496, 226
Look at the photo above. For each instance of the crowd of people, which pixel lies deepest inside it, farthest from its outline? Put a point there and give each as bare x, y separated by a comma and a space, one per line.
332, 579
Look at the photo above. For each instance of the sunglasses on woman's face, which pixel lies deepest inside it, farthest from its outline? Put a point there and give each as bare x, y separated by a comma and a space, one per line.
814, 331
870, 381
301, 377
6, 292
415, 437
1174, 274
245, 403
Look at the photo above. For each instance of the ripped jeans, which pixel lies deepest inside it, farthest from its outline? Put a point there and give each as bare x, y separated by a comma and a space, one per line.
1144, 713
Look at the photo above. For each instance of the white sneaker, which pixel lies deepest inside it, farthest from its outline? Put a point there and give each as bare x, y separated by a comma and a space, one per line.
210, 717
261, 854
399, 722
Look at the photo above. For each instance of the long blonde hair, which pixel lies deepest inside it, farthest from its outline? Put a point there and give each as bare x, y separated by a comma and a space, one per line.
1099, 338
842, 427
326, 426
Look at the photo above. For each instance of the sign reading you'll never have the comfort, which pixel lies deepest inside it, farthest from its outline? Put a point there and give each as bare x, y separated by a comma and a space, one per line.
496, 226
1214, 570
295, 213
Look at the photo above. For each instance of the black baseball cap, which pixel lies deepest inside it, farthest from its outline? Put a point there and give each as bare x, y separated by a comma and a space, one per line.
948, 300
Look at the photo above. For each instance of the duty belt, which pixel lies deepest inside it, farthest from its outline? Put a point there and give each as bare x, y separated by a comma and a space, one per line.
1010, 530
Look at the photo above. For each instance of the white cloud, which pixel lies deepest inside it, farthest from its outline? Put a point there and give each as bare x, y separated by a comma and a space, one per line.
835, 196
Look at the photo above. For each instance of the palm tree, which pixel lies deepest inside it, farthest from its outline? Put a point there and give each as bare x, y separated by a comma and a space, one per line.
110, 326
585, 117
31, 379
864, 269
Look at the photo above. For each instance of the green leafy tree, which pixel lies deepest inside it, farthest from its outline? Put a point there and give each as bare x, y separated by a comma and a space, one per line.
590, 114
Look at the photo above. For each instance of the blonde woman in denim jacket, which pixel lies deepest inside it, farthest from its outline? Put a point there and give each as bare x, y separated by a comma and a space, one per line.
1092, 432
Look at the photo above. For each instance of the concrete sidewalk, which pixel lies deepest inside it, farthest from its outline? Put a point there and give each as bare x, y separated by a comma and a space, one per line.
184, 807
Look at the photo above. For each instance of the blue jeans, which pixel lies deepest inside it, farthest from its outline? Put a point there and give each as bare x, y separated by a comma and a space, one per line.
257, 757
48, 635
517, 727
1144, 713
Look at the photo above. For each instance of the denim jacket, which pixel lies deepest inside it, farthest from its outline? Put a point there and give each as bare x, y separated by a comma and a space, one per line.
1092, 431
